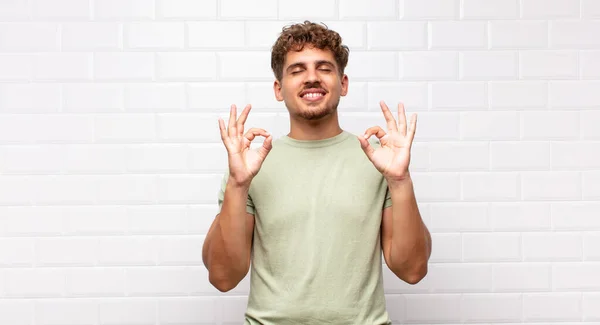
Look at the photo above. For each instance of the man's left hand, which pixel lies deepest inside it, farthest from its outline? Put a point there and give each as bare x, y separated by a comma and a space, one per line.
393, 157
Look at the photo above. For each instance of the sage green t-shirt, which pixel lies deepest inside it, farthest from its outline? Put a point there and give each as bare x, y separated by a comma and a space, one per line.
316, 255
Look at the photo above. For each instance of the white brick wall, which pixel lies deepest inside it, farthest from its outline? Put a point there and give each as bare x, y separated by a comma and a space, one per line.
110, 157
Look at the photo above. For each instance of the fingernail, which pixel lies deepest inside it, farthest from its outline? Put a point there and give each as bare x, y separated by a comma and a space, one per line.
366, 136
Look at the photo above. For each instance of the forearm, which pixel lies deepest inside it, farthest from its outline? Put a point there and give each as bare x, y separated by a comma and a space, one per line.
411, 241
228, 244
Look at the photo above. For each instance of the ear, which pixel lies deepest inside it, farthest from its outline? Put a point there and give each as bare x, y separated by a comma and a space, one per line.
344, 85
277, 90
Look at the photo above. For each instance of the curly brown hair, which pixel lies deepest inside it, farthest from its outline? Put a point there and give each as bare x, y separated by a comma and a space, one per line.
295, 37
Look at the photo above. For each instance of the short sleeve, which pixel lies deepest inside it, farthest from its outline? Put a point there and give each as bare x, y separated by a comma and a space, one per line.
388, 198
221, 195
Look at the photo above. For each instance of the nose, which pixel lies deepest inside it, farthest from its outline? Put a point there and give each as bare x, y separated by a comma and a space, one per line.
312, 76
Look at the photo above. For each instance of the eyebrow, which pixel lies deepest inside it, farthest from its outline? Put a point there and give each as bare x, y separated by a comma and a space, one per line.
319, 62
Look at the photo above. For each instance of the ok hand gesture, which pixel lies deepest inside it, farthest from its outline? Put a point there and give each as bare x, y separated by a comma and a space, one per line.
393, 157
244, 163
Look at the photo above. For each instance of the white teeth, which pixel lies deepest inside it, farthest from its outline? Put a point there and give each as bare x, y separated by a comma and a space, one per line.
313, 95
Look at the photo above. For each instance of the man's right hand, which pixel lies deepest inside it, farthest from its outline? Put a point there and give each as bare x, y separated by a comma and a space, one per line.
244, 163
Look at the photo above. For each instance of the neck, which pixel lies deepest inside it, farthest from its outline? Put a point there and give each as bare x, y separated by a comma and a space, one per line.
327, 127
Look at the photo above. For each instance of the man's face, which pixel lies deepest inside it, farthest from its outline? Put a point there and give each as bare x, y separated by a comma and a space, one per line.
311, 85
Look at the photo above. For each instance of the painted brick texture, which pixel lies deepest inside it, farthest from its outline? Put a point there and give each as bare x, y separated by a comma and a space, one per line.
110, 155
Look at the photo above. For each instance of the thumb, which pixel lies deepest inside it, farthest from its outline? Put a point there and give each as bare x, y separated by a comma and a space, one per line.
366, 147
266, 147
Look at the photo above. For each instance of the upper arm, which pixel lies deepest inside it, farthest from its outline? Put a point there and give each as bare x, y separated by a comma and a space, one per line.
386, 234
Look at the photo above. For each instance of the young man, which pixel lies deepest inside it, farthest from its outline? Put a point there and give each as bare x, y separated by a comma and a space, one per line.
312, 211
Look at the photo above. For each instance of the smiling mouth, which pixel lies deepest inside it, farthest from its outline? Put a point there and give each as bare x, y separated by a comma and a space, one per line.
312, 94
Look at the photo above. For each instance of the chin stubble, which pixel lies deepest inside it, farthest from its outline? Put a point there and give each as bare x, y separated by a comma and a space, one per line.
316, 115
